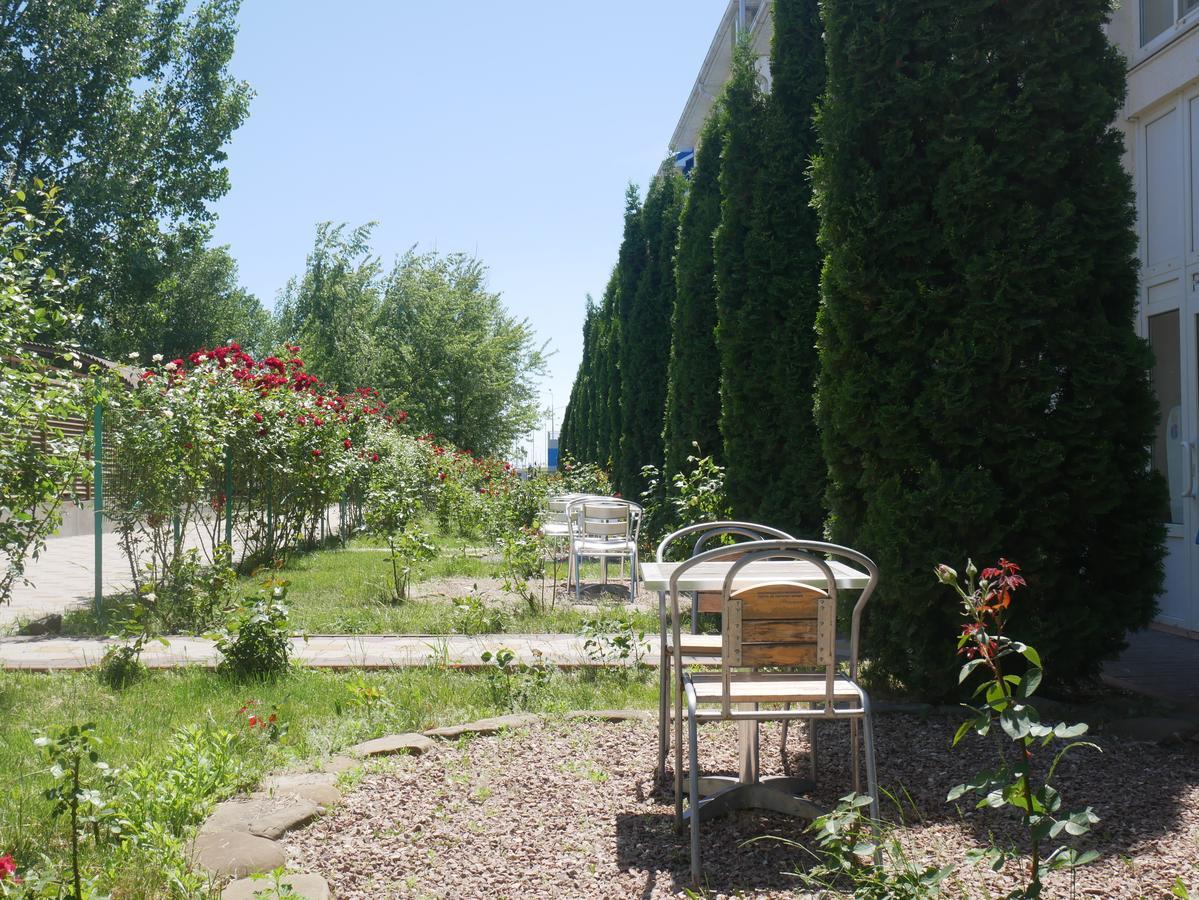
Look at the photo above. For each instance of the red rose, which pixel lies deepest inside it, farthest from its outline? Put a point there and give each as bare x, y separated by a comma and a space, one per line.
257, 417
374, 457
347, 443
8, 869
316, 453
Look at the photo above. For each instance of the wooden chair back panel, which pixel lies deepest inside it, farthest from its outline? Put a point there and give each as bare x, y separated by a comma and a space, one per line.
779, 625
780, 654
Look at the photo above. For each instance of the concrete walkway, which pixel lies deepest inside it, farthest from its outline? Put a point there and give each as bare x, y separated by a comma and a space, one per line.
45, 654
1160, 665
64, 578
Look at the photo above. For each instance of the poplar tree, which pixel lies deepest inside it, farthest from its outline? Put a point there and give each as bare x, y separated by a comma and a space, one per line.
982, 389
693, 383
630, 263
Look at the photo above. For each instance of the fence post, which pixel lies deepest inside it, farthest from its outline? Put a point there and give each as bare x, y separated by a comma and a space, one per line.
98, 499
229, 500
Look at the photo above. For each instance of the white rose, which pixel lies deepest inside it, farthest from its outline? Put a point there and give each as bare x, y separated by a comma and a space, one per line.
134, 355
157, 357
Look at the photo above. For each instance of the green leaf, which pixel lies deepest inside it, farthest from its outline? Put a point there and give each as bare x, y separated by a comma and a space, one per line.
968, 668
1030, 682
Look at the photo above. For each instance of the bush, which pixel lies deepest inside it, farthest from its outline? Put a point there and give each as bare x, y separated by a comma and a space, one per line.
981, 383
257, 645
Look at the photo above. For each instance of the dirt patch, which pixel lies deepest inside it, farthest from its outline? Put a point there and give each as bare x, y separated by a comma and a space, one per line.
570, 809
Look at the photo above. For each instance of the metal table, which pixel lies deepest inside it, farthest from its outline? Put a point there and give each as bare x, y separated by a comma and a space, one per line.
749, 790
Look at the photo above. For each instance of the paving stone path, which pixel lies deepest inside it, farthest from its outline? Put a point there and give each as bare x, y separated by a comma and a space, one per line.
48, 653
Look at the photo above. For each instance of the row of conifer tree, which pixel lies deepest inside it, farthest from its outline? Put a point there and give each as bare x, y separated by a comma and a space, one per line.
896, 299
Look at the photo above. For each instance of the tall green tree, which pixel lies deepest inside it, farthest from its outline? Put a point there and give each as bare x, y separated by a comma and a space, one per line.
453, 356
126, 106
630, 263
645, 329
982, 390
746, 324
331, 310
605, 406
201, 303
693, 381
789, 459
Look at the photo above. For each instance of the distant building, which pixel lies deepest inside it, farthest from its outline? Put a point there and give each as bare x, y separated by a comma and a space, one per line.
1160, 124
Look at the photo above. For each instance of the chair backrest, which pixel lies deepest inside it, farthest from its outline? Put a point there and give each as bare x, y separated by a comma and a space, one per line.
704, 533
608, 520
794, 599
787, 624
558, 507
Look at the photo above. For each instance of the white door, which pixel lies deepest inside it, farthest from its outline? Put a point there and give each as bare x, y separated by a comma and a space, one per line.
1168, 182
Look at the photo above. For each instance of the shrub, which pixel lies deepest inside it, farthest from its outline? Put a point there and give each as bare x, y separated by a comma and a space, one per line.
981, 383
257, 643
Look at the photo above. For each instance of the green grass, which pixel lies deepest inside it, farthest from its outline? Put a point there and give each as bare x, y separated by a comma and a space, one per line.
323, 712
336, 591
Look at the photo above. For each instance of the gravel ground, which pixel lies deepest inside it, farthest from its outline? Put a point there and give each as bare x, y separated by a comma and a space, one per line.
569, 809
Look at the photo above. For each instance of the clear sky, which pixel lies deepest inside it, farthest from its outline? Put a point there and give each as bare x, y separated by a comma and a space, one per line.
506, 130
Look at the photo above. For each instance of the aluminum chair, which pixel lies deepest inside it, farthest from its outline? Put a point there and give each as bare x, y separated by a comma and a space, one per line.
695, 645
555, 527
788, 625
603, 528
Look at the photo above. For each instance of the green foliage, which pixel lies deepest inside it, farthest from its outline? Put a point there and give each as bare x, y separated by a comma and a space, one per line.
76, 789
257, 643
121, 664
514, 685
1006, 699
981, 382
694, 495
786, 467
584, 478
645, 330
39, 463
693, 383
620, 638
127, 107
406, 550
868, 857
472, 615
525, 555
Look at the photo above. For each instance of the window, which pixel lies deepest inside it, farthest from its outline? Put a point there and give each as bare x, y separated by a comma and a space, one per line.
1158, 15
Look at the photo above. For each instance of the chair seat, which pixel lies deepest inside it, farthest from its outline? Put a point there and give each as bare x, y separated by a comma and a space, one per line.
602, 548
696, 644
773, 689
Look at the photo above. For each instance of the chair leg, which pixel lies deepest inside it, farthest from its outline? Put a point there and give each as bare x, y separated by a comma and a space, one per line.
579, 578
677, 690
663, 708
871, 770
783, 743
693, 748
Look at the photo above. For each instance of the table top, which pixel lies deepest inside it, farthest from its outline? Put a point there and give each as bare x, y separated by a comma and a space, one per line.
709, 576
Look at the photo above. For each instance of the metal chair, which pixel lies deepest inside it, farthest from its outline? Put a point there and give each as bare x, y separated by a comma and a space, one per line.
603, 529
555, 527
695, 645
789, 625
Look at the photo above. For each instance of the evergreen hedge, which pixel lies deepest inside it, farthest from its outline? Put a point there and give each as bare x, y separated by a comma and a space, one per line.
982, 389
693, 383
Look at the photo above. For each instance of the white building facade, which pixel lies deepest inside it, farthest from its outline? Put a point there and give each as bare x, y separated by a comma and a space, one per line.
1160, 123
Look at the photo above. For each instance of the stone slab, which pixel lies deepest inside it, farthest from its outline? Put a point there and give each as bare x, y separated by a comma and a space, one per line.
267, 816
318, 787
394, 743
339, 764
485, 726
235, 854
310, 887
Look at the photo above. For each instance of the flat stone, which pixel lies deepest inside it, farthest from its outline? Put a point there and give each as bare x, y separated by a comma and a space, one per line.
234, 854
394, 743
1152, 729
339, 764
612, 715
261, 815
310, 887
485, 726
317, 787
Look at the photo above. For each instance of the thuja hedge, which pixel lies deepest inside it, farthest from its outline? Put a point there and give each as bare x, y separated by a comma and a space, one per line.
983, 391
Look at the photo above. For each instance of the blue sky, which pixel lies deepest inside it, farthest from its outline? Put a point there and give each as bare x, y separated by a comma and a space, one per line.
504, 130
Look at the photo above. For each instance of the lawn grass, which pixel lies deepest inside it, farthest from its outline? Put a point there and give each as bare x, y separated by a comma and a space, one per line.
347, 591
323, 712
